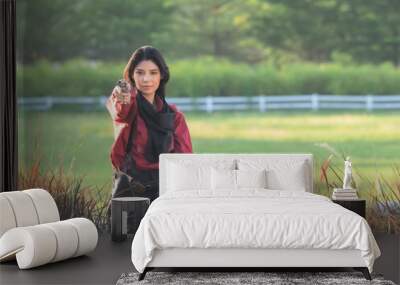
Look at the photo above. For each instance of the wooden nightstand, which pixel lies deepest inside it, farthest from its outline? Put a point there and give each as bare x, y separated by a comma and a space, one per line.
357, 206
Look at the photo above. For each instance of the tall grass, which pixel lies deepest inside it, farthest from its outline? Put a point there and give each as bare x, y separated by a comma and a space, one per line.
71, 197
384, 204
383, 201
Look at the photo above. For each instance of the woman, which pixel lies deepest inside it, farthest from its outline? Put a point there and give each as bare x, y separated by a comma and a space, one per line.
157, 126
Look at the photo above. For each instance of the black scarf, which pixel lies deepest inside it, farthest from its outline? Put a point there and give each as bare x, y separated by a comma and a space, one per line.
160, 127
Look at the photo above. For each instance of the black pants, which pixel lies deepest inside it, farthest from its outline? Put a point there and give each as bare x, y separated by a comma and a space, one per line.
149, 178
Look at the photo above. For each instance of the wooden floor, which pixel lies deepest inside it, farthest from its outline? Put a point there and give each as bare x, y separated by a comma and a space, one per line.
103, 266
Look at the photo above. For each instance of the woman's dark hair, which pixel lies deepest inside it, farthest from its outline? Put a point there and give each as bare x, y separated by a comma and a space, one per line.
148, 53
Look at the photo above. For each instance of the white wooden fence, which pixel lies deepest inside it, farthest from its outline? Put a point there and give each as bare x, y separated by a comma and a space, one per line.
260, 103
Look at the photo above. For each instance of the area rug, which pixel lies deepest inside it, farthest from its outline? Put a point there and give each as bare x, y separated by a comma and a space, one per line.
269, 278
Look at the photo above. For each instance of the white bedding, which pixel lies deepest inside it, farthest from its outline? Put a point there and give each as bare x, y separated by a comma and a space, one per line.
250, 219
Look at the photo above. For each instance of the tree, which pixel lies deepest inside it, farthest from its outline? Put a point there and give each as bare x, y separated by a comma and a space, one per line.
95, 29
367, 30
370, 30
241, 30
208, 27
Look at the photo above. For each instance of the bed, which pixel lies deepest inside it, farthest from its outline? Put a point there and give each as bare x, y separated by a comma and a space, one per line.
247, 210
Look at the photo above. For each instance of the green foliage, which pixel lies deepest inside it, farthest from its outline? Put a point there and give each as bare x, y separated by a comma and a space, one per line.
367, 79
317, 30
211, 76
74, 78
218, 28
61, 29
208, 76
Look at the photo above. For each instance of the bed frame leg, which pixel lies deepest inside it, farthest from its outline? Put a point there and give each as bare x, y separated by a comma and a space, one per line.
143, 274
364, 271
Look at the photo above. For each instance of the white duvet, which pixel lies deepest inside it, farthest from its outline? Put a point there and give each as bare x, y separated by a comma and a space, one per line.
250, 219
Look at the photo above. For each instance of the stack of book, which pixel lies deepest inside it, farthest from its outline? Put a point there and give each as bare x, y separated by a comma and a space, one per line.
344, 194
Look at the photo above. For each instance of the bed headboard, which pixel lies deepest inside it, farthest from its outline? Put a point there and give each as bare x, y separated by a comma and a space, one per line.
234, 159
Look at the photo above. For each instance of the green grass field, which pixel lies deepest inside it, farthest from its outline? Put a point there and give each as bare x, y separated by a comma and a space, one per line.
81, 141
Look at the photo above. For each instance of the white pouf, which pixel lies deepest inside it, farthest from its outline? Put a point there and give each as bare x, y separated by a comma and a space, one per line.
31, 230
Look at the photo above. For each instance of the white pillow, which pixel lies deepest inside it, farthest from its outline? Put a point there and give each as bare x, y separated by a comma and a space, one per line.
187, 178
293, 179
282, 174
228, 180
223, 180
193, 174
251, 178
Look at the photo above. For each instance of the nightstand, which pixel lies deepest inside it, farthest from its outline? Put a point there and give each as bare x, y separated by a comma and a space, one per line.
357, 206
126, 214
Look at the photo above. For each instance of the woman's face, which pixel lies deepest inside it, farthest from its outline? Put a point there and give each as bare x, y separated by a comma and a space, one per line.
147, 77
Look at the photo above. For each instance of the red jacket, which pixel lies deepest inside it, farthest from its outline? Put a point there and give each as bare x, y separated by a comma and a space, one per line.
122, 116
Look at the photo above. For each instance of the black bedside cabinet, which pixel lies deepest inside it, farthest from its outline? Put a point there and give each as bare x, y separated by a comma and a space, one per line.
357, 206
126, 214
